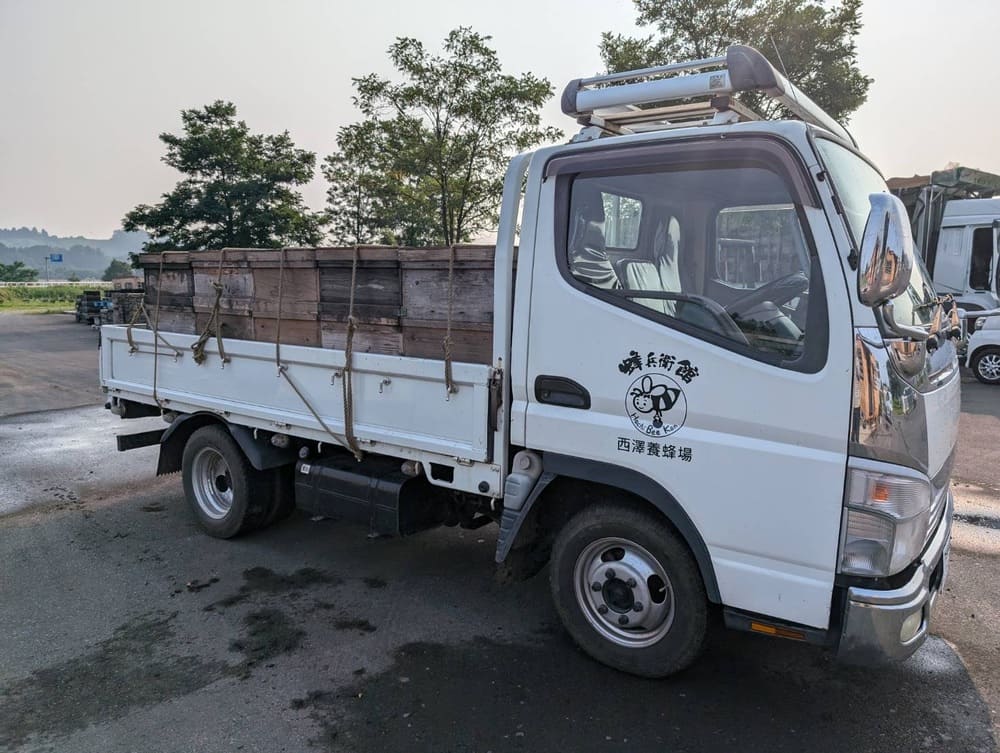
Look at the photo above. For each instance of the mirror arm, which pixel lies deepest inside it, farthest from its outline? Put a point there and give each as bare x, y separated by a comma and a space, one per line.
902, 330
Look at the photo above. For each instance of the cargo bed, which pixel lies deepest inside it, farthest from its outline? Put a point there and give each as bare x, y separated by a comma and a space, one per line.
401, 406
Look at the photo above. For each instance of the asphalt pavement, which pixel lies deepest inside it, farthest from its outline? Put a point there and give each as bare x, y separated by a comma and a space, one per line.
47, 361
123, 628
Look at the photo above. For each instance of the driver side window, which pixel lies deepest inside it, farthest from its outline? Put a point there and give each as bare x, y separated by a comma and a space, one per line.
761, 248
719, 251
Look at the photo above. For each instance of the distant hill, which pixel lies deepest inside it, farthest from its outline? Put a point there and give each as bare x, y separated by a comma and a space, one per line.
86, 258
117, 246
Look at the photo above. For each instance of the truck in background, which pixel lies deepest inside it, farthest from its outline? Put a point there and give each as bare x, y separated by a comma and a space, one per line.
720, 382
965, 265
954, 216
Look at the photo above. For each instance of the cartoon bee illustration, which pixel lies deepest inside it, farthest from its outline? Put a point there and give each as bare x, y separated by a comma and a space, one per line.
654, 398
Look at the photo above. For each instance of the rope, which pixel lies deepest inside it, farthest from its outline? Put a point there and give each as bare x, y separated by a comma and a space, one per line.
450, 387
281, 293
283, 368
213, 322
352, 441
132, 347
156, 330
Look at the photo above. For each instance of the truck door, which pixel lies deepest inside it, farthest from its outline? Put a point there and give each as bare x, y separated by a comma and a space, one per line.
689, 324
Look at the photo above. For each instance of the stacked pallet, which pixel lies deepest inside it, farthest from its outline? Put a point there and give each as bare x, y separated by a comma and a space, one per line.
400, 297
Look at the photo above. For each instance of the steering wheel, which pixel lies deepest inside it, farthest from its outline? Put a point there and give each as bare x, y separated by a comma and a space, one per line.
778, 292
719, 316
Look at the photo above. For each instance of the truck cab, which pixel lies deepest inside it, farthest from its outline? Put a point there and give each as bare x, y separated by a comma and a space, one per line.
965, 265
722, 382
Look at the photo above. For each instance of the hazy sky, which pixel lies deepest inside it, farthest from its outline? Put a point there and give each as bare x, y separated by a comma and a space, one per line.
86, 86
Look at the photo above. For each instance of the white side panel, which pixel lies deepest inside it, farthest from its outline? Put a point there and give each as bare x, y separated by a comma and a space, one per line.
951, 265
398, 401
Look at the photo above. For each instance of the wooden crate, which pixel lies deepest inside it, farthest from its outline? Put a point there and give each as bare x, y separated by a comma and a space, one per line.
401, 297
293, 331
368, 338
425, 294
297, 279
180, 319
235, 276
234, 326
250, 280
471, 342
377, 296
177, 285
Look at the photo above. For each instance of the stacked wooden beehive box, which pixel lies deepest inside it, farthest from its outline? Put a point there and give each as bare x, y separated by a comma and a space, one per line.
401, 297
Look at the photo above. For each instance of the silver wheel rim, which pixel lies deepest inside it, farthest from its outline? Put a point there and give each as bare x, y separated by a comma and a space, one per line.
624, 592
989, 366
212, 483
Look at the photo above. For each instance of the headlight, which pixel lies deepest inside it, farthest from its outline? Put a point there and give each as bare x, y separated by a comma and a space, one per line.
885, 521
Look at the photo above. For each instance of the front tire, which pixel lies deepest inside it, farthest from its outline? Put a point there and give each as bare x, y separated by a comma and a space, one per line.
227, 495
629, 592
986, 365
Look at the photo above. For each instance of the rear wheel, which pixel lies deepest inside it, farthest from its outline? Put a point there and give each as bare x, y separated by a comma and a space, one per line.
986, 365
629, 592
227, 495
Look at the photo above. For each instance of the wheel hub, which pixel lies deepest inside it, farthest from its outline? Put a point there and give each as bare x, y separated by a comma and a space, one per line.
212, 483
624, 592
618, 596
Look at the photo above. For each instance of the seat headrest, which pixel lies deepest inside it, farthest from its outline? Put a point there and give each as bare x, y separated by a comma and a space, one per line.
588, 204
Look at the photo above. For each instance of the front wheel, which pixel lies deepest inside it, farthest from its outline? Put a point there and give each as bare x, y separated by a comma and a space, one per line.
629, 592
986, 365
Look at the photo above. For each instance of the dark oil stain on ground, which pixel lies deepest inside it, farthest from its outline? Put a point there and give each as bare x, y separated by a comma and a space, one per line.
129, 670
375, 583
268, 633
261, 580
360, 624
745, 693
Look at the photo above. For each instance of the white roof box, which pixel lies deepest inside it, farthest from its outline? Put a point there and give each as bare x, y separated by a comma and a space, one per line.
611, 102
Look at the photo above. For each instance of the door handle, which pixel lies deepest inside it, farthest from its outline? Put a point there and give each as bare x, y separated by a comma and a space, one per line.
557, 390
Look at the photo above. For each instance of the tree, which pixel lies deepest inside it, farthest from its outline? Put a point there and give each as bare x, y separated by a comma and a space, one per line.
238, 188
116, 269
815, 42
426, 164
17, 272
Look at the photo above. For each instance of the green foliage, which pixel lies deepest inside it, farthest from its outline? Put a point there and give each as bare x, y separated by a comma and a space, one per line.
238, 188
426, 164
815, 41
17, 272
116, 269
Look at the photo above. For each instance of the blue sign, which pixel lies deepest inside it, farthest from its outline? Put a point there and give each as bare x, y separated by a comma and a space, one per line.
55, 257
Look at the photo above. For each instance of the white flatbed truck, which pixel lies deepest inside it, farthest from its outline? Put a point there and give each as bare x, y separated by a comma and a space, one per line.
721, 380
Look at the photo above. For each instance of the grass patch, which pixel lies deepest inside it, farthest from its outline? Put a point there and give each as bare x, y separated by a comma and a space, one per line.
40, 300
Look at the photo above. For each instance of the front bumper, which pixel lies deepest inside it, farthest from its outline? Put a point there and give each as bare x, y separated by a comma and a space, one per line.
873, 619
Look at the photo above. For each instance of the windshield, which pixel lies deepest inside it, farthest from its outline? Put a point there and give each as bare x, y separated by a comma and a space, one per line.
853, 180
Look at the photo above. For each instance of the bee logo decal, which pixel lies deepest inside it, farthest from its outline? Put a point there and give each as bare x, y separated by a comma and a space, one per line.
656, 405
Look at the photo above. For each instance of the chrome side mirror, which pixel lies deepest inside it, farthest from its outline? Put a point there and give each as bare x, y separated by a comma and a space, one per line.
886, 251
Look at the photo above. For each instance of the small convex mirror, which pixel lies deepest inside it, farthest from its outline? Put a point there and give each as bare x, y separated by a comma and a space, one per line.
886, 251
